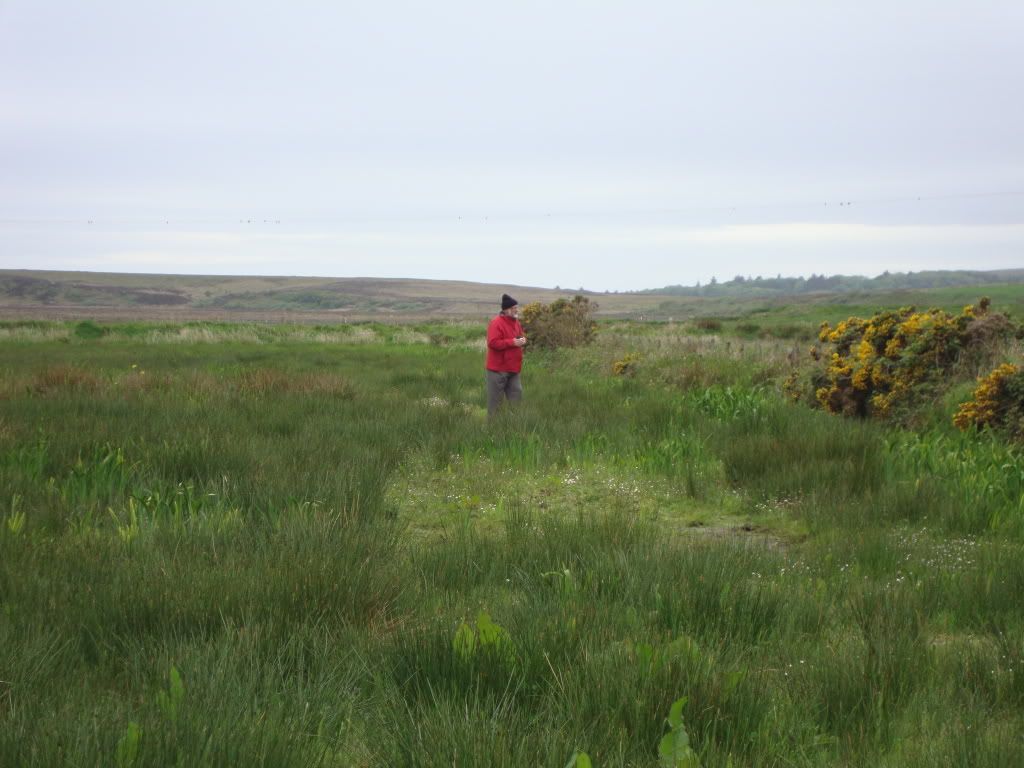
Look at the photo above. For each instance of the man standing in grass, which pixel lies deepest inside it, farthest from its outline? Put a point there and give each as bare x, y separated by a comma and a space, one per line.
505, 342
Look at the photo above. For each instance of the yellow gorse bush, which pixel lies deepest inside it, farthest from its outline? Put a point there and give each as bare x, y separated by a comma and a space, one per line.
562, 323
626, 365
880, 363
998, 402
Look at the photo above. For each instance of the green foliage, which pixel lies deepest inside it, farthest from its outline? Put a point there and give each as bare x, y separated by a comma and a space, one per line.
730, 403
170, 700
128, 746
464, 642
16, 516
128, 529
562, 323
981, 480
563, 581
487, 638
89, 330
674, 750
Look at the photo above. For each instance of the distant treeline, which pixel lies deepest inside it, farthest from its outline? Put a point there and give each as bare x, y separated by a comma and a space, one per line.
887, 281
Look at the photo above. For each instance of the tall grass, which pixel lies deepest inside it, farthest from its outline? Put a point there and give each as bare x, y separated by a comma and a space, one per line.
264, 550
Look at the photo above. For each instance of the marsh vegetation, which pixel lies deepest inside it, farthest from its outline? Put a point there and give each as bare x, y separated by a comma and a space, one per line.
284, 545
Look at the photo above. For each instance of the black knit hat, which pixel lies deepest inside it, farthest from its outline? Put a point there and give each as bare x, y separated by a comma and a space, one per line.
507, 301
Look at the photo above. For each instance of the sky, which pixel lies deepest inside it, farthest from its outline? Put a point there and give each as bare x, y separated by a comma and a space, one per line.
604, 145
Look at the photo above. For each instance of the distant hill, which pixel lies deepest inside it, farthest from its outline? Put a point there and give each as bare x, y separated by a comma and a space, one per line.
39, 294
64, 294
887, 281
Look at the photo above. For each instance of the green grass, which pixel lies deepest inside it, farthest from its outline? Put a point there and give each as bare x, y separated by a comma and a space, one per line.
256, 545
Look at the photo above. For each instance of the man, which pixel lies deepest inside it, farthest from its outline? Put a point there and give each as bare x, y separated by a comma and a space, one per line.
505, 342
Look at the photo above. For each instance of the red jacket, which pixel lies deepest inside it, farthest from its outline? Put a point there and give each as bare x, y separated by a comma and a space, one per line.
503, 355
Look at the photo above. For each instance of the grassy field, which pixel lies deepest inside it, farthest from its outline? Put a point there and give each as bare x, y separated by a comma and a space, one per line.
284, 545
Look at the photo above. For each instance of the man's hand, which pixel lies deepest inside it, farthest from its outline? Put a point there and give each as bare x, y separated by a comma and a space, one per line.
520, 341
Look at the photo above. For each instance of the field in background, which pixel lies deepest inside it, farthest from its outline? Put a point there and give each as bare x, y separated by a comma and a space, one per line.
253, 544
316, 299
28, 294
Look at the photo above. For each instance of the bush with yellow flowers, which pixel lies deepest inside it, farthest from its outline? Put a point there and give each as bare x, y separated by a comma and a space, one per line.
998, 403
562, 323
885, 364
626, 366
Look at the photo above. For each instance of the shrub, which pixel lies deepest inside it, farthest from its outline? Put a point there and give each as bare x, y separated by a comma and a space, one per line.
708, 324
562, 323
89, 330
998, 403
626, 366
883, 365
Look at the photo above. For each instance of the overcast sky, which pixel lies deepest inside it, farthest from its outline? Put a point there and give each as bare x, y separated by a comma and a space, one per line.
597, 144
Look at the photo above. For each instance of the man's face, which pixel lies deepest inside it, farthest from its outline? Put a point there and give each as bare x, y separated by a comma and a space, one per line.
513, 311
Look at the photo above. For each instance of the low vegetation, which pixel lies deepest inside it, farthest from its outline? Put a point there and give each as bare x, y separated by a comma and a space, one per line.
299, 545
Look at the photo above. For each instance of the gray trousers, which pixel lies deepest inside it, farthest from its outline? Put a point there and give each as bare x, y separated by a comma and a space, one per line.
502, 385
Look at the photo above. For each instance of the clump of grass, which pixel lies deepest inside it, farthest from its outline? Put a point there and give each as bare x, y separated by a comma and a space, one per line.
89, 330
59, 378
264, 382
